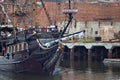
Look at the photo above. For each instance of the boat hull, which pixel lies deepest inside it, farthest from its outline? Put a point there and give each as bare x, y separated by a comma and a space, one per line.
30, 65
112, 62
36, 58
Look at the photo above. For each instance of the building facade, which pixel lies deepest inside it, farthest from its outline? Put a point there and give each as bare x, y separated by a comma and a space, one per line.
90, 17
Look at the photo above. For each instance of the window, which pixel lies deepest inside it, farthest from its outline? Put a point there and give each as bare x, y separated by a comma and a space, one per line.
96, 32
13, 48
16, 48
25, 46
20, 47
8, 49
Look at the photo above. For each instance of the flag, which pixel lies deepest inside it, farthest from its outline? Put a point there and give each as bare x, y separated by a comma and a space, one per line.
1, 1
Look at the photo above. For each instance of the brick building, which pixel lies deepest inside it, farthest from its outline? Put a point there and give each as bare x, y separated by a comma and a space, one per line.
86, 12
89, 16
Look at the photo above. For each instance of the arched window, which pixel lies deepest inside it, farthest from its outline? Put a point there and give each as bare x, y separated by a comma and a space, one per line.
20, 47
25, 46
16, 48
13, 48
8, 49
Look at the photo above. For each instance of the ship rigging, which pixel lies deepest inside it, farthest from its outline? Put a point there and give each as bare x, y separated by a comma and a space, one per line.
32, 51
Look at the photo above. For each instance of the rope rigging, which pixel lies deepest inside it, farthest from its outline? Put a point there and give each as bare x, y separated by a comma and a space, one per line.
45, 10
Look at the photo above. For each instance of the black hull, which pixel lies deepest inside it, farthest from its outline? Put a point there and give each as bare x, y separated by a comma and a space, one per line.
28, 66
36, 58
33, 56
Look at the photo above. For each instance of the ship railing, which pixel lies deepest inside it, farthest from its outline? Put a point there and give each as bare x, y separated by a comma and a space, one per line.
31, 31
80, 34
42, 29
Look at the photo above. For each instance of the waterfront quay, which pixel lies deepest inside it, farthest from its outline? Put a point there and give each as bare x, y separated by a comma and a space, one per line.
92, 50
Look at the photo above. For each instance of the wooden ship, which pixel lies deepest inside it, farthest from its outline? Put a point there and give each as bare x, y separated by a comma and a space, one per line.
32, 50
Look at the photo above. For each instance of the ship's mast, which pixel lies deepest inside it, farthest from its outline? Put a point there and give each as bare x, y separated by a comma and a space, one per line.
69, 12
69, 18
34, 13
13, 17
3, 10
47, 14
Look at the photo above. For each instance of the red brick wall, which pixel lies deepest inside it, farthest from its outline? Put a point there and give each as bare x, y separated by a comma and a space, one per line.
86, 12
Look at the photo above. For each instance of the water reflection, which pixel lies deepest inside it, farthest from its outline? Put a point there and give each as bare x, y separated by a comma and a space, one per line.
13, 76
90, 71
77, 70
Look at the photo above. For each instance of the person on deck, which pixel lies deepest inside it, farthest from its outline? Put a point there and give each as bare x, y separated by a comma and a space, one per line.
3, 51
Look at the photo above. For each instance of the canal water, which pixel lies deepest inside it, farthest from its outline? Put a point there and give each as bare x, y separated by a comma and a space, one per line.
78, 70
